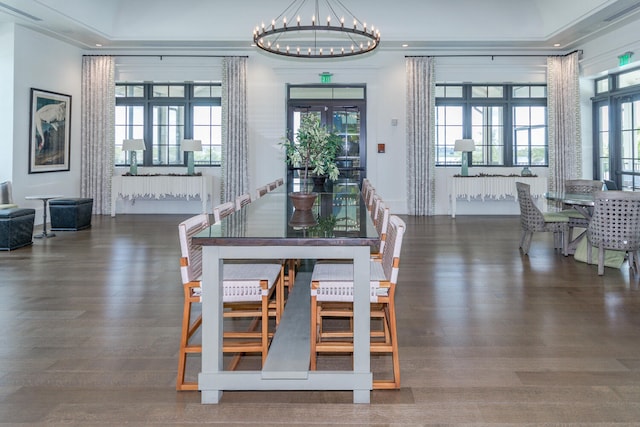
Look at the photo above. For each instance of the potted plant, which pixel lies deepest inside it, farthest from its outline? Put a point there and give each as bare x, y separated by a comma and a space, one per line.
313, 150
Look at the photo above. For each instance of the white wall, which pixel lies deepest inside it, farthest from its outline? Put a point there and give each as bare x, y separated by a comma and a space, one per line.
6, 101
43, 63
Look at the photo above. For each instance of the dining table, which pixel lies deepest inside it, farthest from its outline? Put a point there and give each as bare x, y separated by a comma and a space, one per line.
582, 203
337, 227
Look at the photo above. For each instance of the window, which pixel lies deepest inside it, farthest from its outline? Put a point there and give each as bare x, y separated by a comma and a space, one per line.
508, 124
163, 114
616, 109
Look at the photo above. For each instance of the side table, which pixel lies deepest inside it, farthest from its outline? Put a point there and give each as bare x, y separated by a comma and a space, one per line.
45, 199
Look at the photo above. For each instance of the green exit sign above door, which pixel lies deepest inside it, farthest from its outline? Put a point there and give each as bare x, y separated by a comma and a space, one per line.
625, 58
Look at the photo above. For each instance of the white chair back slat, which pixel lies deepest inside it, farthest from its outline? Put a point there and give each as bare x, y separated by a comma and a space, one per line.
189, 251
242, 201
223, 210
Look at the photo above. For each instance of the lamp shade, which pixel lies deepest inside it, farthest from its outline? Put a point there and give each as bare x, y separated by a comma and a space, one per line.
132, 144
464, 145
191, 145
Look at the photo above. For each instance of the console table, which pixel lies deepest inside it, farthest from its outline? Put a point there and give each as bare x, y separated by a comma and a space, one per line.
160, 186
492, 187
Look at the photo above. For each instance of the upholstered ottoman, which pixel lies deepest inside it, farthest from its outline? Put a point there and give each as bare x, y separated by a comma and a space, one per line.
16, 228
70, 214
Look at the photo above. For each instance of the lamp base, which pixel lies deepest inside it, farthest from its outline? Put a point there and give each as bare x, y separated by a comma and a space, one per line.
190, 165
464, 171
133, 167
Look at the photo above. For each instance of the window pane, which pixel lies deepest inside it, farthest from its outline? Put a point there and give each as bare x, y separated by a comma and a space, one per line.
453, 91
487, 132
496, 92
207, 127
129, 124
521, 92
176, 91
168, 131
448, 129
530, 131
479, 91
602, 85
439, 91
630, 78
486, 92
160, 91
538, 91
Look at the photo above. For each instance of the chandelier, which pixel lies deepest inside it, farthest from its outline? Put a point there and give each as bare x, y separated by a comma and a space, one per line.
338, 35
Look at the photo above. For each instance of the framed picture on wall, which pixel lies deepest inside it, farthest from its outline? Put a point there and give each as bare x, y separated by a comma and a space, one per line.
49, 131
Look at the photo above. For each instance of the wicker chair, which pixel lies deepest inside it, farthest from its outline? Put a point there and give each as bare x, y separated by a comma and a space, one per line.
532, 220
579, 186
251, 291
332, 284
615, 225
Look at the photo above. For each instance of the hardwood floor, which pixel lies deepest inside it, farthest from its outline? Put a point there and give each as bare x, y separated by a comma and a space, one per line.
90, 320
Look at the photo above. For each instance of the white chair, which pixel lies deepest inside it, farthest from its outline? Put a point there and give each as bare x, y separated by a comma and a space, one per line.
223, 210
261, 191
367, 193
332, 283
251, 291
242, 200
381, 222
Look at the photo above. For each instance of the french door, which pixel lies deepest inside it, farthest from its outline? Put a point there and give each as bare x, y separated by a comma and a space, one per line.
618, 136
346, 117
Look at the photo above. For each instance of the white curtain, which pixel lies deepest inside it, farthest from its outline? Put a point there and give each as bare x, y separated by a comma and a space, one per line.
97, 131
565, 145
235, 147
420, 135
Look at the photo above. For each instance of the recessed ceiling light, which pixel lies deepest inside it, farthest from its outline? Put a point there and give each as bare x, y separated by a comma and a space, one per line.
98, 45
556, 45
405, 45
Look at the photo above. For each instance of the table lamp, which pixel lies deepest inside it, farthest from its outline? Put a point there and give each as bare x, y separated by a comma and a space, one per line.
133, 145
190, 145
466, 146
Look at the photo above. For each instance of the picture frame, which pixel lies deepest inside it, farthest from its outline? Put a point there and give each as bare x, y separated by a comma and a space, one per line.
49, 131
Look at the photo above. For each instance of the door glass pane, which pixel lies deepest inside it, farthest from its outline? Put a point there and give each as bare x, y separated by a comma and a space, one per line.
346, 123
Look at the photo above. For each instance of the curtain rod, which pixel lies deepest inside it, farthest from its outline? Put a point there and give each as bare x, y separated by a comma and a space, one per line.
515, 55
171, 56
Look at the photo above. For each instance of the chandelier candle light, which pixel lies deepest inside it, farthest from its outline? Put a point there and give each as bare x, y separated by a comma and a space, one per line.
333, 38
133, 146
190, 145
466, 146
